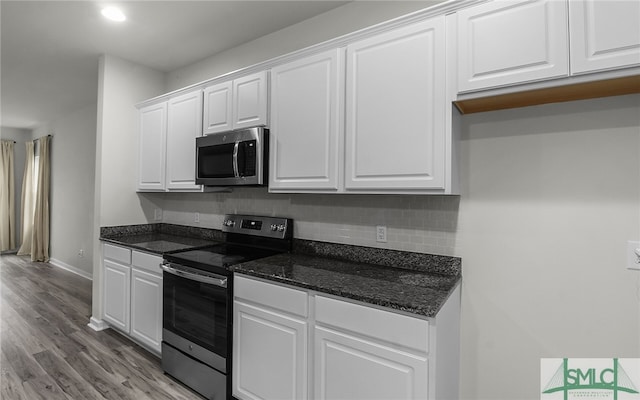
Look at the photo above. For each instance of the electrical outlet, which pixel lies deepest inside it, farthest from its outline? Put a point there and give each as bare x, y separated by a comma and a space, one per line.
633, 255
381, 234
157, 215
196, 217
81, 253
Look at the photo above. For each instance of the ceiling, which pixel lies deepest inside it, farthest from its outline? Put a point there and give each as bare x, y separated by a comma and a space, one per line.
50, 49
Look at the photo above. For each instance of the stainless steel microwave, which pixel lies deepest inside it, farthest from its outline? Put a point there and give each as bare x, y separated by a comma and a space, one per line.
233, 158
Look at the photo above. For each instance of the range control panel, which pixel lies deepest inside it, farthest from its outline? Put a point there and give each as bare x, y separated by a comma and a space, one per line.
273, 227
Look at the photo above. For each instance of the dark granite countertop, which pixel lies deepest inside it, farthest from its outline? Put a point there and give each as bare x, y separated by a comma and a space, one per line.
159, 243
417, 283
160, 238
419, 288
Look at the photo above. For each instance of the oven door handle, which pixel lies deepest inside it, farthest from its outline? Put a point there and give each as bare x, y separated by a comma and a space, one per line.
213, 280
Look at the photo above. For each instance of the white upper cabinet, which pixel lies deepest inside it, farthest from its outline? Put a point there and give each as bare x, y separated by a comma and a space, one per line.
306, 134
503, 43
395, 110
167, 143
152, 147
184, 126
217, 108
370, 118
240, 103
604, 35
250, 96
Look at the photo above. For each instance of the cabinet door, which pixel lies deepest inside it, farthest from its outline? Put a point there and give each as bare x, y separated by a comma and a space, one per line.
354, 368
184, 125
146, 308
217, 108
305, 123
152, 151
509, 42
116, 289
604, 34
250, 100
395, 115
269, 354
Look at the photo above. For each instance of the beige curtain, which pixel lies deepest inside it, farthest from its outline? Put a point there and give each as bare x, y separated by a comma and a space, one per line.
7, 206
26, 220
40, 236
37, 244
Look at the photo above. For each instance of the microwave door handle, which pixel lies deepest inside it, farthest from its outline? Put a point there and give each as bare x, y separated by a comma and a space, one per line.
222, 282
235, 160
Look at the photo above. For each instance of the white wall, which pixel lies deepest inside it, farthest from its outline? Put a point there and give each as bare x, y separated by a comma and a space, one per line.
414, 223
121, 86
334, 23
20, 136
72, 184
549, 197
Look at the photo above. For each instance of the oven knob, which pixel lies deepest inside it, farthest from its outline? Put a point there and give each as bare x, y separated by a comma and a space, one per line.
280, 228
274, 227
229, 222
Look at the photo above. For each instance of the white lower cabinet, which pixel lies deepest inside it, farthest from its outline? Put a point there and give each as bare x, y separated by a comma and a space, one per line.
132, 288
353, 367
271, 363
116, 280
340, 350
363, 352
146, 308
270, 333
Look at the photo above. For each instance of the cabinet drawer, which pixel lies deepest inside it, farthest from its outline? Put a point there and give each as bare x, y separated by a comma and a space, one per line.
117, 253
147, 262
271, 295
379, 324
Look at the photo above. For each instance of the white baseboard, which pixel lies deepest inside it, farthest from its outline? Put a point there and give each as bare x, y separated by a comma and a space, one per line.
97, 324
70, 268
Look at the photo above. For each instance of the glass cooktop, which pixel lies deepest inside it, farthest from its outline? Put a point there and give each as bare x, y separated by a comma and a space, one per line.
219, 257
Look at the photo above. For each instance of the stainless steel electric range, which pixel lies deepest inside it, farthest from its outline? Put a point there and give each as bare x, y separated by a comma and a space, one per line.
198, 299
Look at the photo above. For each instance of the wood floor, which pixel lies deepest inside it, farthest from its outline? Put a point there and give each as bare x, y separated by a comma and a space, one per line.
49, 352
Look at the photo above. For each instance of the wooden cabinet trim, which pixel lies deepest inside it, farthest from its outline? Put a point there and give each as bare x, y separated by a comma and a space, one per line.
557, 94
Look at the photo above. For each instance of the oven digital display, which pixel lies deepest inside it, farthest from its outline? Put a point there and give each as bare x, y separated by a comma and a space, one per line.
251, 224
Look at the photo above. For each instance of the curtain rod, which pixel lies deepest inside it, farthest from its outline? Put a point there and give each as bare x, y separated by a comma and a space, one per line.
34, 139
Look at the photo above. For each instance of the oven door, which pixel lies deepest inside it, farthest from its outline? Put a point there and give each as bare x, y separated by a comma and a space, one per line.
195, 312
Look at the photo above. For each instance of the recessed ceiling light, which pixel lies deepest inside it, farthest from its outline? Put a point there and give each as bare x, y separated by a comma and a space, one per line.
114, 14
